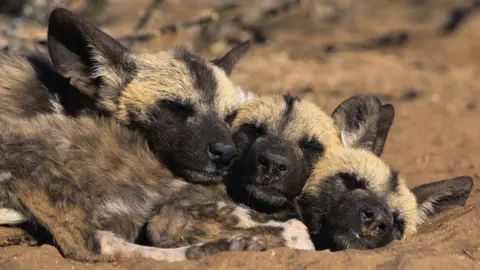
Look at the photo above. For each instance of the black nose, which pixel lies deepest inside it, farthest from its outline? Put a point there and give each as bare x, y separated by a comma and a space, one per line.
222, 154
274, 164
374, 221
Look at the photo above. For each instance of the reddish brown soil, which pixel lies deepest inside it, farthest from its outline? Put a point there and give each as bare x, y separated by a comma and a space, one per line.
435, 134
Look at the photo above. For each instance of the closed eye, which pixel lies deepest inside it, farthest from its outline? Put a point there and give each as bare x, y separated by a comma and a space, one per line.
398, 226
351, 181
312, 145
178, 108
254, 130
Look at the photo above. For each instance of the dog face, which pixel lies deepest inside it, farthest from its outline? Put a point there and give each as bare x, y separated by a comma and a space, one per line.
281, 138
178, 100
355, 200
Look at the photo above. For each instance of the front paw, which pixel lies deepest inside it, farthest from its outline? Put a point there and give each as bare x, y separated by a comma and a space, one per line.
296, 235
235, 243
244, 243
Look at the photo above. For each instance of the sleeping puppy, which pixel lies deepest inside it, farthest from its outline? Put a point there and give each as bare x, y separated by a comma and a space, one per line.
85, 179
352, 200
350, 193
281, 138
89, 181
355, 200
332, 177
176, 99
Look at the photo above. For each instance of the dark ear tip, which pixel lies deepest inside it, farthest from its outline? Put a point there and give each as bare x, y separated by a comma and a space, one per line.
60, 10
371, 100
59, 13
466, 181
61, 18
366, 99
389, 110
388, 107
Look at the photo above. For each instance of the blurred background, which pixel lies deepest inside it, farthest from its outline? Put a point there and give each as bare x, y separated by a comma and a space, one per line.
420, 55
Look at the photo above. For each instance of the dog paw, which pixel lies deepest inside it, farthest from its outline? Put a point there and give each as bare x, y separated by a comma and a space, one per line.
235, 243
246, 243
108, 243
296, 235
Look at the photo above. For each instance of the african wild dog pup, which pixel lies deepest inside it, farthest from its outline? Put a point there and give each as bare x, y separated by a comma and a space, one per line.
360, 202
281, 130
281, 138
355, 200
176, 99
84, 179
351, 200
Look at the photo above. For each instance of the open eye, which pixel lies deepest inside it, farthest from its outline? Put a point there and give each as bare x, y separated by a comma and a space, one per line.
178, 108
312, 145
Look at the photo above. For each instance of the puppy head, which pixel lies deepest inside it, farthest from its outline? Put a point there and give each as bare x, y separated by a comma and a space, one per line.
178, 100
354, 200
346, 202
280, 138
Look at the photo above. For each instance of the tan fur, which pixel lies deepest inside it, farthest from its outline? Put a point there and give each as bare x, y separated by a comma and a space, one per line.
307, 120
227, 98
161, 76
75, 176
21, 93
376, 173
104, 69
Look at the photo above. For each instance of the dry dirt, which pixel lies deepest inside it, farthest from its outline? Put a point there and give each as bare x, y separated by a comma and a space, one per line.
432, 80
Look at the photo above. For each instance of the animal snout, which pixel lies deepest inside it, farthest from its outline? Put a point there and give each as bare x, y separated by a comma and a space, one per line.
374, 221
222, 154
273, 164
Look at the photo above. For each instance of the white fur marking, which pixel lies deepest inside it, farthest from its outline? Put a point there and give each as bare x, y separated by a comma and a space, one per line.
294, 232
103, 68
177, 185
348, 139
121, 206
425, 209
118, 206
221, 204
11, 217
243, 215
56, 105
4, 176
110, 244
244, 96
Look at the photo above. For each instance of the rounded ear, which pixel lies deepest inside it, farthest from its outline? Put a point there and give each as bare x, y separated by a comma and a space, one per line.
96, 64
364, 122
438, 196
231, 58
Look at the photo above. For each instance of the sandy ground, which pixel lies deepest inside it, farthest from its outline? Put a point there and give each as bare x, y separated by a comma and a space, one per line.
432, 80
